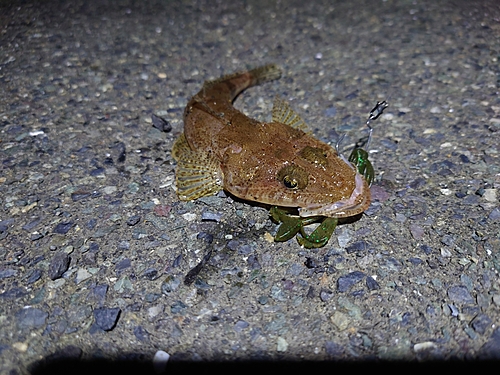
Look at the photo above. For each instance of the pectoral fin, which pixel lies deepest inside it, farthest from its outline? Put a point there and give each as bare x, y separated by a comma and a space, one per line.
284, 114
198, 173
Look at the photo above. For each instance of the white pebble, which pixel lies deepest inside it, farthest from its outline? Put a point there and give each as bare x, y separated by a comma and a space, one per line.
282, 345
109, 190
160, 361
189, 216
490, 195
81, 275
424, 345
446, 191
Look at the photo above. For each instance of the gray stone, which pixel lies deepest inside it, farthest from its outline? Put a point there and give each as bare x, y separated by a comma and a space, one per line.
141, 334
63, 228
344, 283
106, 318
371, 283
7, 272
460, 294
31, 317
58, 265
133, 220
358, 247
491, 349
481, 323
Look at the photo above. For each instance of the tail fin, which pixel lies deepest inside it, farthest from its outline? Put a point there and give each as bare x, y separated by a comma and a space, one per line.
235, 83
265, 73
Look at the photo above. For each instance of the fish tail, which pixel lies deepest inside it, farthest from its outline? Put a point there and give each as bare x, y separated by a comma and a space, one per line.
231, 85
264, 74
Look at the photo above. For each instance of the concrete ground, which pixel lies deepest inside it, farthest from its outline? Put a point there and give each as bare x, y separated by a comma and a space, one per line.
95, 246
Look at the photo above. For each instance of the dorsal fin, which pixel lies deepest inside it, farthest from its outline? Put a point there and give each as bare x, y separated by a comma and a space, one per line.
283, 113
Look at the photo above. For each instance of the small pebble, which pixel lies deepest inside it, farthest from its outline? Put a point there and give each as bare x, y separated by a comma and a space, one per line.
81, 275
453, 310
448, 239
91, 224
177, 307
263, 300
20, 346
133, 220
460, 294
331, 112
154, 311
123, 284
325, 295
491, 349
35, 236
481, 323
333, 349
160, 123
282, 345
97, 171
211, 216
63, 228
80, 195
104, 231
160, 361
311, 263
357, 247
170, 284
108, 190
494, 214
241, 325
424, 346
490, 195
99, 293
141, 334
124, 245
188, 216
58, 265
34, 276
31, 318
122, 265
32, 224
9, 272
177, 261
344, 283
106, 318
416, 231
340, 320
371, 283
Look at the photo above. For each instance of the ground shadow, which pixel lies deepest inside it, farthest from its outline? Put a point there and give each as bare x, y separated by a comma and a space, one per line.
108, 367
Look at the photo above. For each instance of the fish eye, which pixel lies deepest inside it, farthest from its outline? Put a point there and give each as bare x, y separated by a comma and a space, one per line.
290, 182
293, 177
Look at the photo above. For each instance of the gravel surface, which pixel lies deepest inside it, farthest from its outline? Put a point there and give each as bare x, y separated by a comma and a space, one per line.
96, 248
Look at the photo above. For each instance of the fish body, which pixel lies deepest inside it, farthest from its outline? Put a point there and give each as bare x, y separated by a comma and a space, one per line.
278, 163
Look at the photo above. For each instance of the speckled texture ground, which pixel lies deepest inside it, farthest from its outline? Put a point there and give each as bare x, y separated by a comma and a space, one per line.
95, 245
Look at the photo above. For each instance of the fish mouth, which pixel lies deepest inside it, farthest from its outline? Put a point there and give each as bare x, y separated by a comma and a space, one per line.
354, 205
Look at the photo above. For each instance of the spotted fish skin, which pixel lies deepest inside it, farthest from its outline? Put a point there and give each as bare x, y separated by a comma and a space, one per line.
277, 163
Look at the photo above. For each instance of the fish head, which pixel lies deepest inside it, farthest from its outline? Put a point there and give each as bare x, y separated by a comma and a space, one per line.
290, 168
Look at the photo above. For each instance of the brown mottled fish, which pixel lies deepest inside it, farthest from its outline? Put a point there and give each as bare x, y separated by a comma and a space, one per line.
277, 163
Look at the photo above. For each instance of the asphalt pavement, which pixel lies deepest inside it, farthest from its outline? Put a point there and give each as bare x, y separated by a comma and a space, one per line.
103, 268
